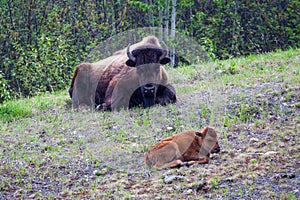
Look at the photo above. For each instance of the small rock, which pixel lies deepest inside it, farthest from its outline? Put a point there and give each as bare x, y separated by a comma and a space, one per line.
100, 172
169, 128
281, 144
291, 175
252, 140
171, 178
270, 153
287, 139
96, 172
261, 144
201, 187
189, 191
284, 176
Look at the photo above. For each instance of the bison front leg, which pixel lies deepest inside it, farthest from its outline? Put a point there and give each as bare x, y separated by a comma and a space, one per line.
165, 95
107, 102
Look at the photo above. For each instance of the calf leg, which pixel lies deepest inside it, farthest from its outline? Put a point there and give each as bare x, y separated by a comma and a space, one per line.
203, 160
174, 163
179, 163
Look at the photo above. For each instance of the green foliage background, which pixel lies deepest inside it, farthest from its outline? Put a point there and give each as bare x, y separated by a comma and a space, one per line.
42, 41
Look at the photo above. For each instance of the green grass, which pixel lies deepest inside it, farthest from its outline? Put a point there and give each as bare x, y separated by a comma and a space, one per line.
48, 150
28, 107
15, 110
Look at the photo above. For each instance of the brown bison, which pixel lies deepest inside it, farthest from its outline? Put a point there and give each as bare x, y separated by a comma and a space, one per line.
183, 149
125, 79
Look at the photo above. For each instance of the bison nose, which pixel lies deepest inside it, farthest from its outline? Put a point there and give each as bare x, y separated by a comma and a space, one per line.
149, 89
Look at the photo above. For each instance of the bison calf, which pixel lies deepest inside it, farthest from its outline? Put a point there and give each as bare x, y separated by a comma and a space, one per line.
183, 149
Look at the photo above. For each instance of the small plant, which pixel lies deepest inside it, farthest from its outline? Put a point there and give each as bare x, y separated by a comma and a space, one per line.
254, 161
289, 195
215, 183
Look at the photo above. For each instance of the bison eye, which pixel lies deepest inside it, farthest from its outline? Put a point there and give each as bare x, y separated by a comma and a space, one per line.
199, 134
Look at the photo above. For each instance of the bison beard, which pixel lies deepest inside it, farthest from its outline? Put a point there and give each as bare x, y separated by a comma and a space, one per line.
164, 95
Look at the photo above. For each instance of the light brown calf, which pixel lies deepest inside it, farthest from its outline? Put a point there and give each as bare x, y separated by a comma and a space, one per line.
183, 149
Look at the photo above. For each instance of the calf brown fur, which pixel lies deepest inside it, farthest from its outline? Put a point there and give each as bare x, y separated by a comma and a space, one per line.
183, 149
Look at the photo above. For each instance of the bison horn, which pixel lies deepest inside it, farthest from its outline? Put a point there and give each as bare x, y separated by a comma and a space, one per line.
129, 54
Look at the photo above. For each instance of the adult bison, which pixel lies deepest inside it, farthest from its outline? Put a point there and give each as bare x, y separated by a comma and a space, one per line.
125, 79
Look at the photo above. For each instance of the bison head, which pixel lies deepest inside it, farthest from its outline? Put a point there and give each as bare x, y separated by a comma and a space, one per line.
148, 61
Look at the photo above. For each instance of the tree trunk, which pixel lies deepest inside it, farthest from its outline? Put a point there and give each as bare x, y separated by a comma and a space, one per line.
167, 19
160, 24
151, 18
173, 18
173, 25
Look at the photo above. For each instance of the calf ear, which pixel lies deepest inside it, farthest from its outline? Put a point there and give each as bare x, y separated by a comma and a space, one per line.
164, 61
130, 63
199, 134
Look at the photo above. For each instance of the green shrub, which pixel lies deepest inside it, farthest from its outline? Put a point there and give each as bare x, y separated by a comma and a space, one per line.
42, 41
4, 88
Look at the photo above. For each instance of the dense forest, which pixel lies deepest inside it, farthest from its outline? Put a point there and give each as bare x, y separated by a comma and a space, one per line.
43, 40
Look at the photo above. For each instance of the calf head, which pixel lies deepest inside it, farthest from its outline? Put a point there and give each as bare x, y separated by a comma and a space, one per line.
148, 61
208, 141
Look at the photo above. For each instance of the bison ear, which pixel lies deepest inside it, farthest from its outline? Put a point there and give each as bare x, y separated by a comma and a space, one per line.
130, 63
199, 134
164, 61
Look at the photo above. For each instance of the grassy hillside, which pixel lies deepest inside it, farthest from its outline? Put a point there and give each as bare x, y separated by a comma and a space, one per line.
47, 150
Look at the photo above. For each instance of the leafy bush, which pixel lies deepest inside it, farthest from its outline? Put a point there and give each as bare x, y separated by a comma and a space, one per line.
5, 92
42, 41
239, 28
